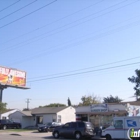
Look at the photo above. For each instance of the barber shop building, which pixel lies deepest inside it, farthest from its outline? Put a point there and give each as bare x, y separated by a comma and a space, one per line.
102, 114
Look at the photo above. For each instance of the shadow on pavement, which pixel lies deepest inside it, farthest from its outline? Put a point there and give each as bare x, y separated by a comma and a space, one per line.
51, 137
15, 134
38, 132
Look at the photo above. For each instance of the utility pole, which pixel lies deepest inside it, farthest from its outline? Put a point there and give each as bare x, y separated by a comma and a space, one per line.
28, 101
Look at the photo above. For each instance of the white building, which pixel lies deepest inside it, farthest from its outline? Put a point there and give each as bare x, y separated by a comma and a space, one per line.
6, 114
43, 115
54, 114
101, 114
24, 117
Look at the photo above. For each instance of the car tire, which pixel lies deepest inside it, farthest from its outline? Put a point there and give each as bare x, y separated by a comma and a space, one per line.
56, 134
77, 135
108, 137
4, 127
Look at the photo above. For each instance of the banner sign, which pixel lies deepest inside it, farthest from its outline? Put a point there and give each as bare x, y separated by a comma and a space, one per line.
99, 108
12, 77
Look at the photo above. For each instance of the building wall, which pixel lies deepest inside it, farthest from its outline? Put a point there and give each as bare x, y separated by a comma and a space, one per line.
6, 115
45, 118
16, 116
27, 121
82, 109
116, 107
21, 118
67, 115
49, 118
99, 120
133, 110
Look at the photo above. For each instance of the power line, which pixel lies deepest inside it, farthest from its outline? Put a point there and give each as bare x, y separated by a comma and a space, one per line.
89, 67
73, 44
9, 6
63, 47
53, 22
18, 10
84, 72
81, 18
76, 21
27, 14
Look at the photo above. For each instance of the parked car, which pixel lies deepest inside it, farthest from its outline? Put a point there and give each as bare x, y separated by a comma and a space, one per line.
53, 125
98, 131
74, 130
48, 127
5, 124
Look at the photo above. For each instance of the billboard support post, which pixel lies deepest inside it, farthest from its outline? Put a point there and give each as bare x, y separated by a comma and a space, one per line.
1, 91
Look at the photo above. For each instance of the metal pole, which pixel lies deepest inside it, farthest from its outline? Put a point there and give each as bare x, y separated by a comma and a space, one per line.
1, 91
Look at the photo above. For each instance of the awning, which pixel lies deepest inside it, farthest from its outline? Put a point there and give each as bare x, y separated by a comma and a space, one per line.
120, 112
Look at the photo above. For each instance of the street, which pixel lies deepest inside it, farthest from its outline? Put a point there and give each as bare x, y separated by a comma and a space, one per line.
28, 135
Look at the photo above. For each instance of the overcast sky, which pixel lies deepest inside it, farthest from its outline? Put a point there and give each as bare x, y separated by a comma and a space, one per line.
70, 48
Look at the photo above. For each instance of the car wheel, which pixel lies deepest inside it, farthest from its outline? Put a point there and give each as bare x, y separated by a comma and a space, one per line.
108, 137
56, 134
4, 127
78, 135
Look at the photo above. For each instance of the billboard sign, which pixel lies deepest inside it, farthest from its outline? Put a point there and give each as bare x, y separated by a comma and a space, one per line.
12, 77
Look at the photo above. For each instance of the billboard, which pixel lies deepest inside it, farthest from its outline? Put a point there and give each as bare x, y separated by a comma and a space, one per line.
12, 77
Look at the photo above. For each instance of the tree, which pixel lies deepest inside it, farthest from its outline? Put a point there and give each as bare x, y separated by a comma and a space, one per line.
55, 105
90, 99
136, 81
69, 102
3, 107
112, 99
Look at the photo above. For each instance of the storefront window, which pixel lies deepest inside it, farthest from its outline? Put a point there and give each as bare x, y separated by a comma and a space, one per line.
101, 121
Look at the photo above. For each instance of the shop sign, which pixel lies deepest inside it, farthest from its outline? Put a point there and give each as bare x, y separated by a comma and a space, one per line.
99, 108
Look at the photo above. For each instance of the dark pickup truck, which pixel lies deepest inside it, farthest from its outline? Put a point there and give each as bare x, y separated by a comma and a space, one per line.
5, 124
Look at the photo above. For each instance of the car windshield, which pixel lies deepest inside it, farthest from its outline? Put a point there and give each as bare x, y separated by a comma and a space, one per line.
49, 124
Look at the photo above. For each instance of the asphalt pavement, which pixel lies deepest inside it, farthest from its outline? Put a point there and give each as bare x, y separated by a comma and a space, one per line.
26, 135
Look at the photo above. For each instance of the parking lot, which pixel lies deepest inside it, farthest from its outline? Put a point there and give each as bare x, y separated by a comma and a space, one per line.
25, 135
31, 133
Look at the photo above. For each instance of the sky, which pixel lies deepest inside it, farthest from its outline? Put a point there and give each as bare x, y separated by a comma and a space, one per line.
70, 48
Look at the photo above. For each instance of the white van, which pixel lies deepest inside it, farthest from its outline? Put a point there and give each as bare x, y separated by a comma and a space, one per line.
123, 128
